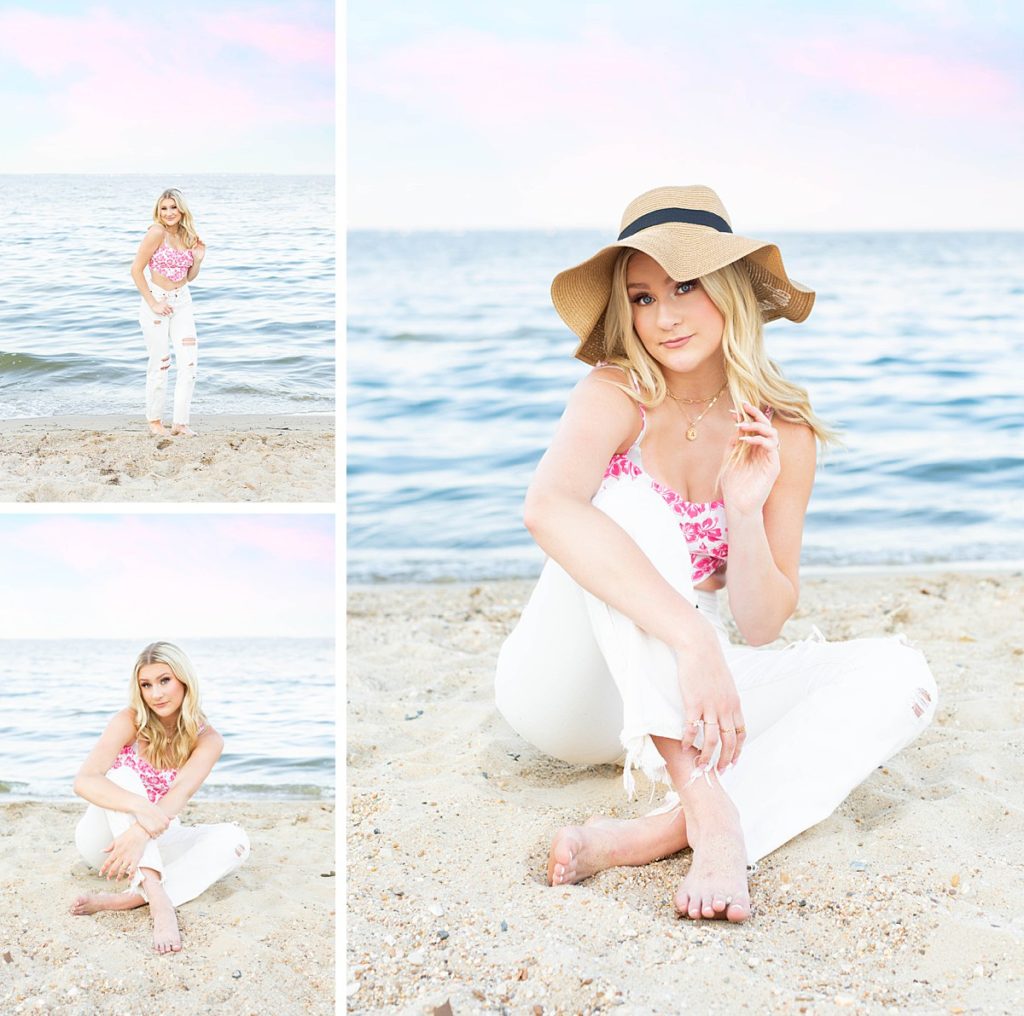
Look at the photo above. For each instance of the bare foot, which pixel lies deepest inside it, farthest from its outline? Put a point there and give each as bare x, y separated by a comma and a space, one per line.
182, 430
577, 852
91, 903
716, 884
157, 428
166, 937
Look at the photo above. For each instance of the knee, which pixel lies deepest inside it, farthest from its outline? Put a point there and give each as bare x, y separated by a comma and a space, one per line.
909, 681
237, 841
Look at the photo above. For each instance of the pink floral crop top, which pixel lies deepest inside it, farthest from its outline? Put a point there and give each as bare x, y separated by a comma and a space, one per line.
170, 263
156, 781
702, 522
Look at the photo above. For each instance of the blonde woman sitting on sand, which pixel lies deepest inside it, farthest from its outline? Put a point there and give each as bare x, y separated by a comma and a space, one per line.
683, 466
153, 756
174, 253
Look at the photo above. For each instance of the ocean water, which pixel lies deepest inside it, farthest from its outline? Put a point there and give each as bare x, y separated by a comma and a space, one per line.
459, 368
271, 699
70, 340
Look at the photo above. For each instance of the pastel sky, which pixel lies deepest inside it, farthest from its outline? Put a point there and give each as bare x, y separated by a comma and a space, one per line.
198, 86
881, 114
151, 577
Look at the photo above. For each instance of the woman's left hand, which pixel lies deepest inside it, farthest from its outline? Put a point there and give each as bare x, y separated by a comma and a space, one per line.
747, 484
125, 853
198, 251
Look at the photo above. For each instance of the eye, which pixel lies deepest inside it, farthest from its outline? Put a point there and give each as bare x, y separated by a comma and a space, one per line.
643, 300
686, 287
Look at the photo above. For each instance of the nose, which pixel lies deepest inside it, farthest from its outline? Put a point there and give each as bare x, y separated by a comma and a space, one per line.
668, 314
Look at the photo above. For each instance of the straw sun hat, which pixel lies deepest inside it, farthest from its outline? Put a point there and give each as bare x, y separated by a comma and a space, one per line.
687, 231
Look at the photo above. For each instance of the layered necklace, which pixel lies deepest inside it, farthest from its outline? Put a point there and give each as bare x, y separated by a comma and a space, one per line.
691, 430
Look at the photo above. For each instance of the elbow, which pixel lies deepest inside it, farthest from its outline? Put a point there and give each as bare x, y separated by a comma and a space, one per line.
534, 512
77, 786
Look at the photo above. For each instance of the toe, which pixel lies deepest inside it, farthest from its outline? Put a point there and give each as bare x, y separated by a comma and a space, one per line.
706, 907
739, 911
682, 903
718, 904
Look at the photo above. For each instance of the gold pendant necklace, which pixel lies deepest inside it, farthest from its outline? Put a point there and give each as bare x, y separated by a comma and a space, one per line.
691, 430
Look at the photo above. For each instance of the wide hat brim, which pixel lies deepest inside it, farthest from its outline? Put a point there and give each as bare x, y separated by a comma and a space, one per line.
686, 252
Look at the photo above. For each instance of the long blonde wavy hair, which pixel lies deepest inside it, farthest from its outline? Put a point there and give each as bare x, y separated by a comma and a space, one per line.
187, 226
163, 751
750, 375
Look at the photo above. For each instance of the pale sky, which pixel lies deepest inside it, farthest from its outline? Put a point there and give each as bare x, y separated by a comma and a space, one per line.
166, 576
197, 86
881, 114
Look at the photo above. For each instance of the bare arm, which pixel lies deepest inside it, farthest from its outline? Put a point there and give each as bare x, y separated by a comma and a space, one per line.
764, 539
603, 559
591, 547
150, 242
198, 253
91, 782
193, 773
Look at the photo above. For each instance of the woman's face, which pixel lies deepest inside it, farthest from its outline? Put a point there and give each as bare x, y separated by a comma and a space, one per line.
162, 692
169, 214
676, 321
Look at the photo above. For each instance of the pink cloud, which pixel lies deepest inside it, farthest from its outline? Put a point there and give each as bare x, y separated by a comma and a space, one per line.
926, 82
118, 91
496, 84
287, 542
279, 40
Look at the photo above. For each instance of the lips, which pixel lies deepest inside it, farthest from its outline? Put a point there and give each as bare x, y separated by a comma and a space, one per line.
677, 342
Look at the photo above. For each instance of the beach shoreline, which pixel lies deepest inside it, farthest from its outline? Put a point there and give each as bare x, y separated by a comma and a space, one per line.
269, 457
907, 898
261, 940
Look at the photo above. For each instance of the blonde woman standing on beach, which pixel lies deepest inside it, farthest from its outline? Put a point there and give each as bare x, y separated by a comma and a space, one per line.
682, 466
174, 254
153, 756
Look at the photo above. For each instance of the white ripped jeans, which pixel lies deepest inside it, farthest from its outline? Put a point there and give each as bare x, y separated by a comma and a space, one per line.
161, 331
583, 683
189, 859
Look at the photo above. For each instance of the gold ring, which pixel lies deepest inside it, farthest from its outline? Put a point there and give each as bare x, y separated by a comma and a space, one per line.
728, 730
741, 730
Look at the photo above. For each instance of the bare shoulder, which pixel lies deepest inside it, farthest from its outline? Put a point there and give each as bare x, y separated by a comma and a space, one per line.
604, 386
153, 238
798, 446
124, 720
210, 737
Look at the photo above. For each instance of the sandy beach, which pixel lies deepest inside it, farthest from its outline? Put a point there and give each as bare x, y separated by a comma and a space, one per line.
260, 941
908, 899
114, 458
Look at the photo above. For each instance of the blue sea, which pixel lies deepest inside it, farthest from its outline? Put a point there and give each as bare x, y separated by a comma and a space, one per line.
70, 340
459, 368
271, 699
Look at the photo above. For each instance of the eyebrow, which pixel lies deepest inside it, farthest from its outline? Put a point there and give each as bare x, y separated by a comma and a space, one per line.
643, 285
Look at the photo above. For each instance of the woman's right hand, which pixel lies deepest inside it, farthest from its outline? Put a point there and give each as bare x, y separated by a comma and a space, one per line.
152, 819
163, 308
709, 694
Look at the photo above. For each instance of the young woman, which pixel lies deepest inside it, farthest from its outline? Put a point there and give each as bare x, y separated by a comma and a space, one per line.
174, 254
153, 756
682, 466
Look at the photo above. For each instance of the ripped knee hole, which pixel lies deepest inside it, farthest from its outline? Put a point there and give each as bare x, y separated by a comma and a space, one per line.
921, 701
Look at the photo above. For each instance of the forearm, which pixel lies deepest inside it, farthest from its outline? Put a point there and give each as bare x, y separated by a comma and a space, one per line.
193, 271
140, 282
104, 793
604, 560
761, 597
